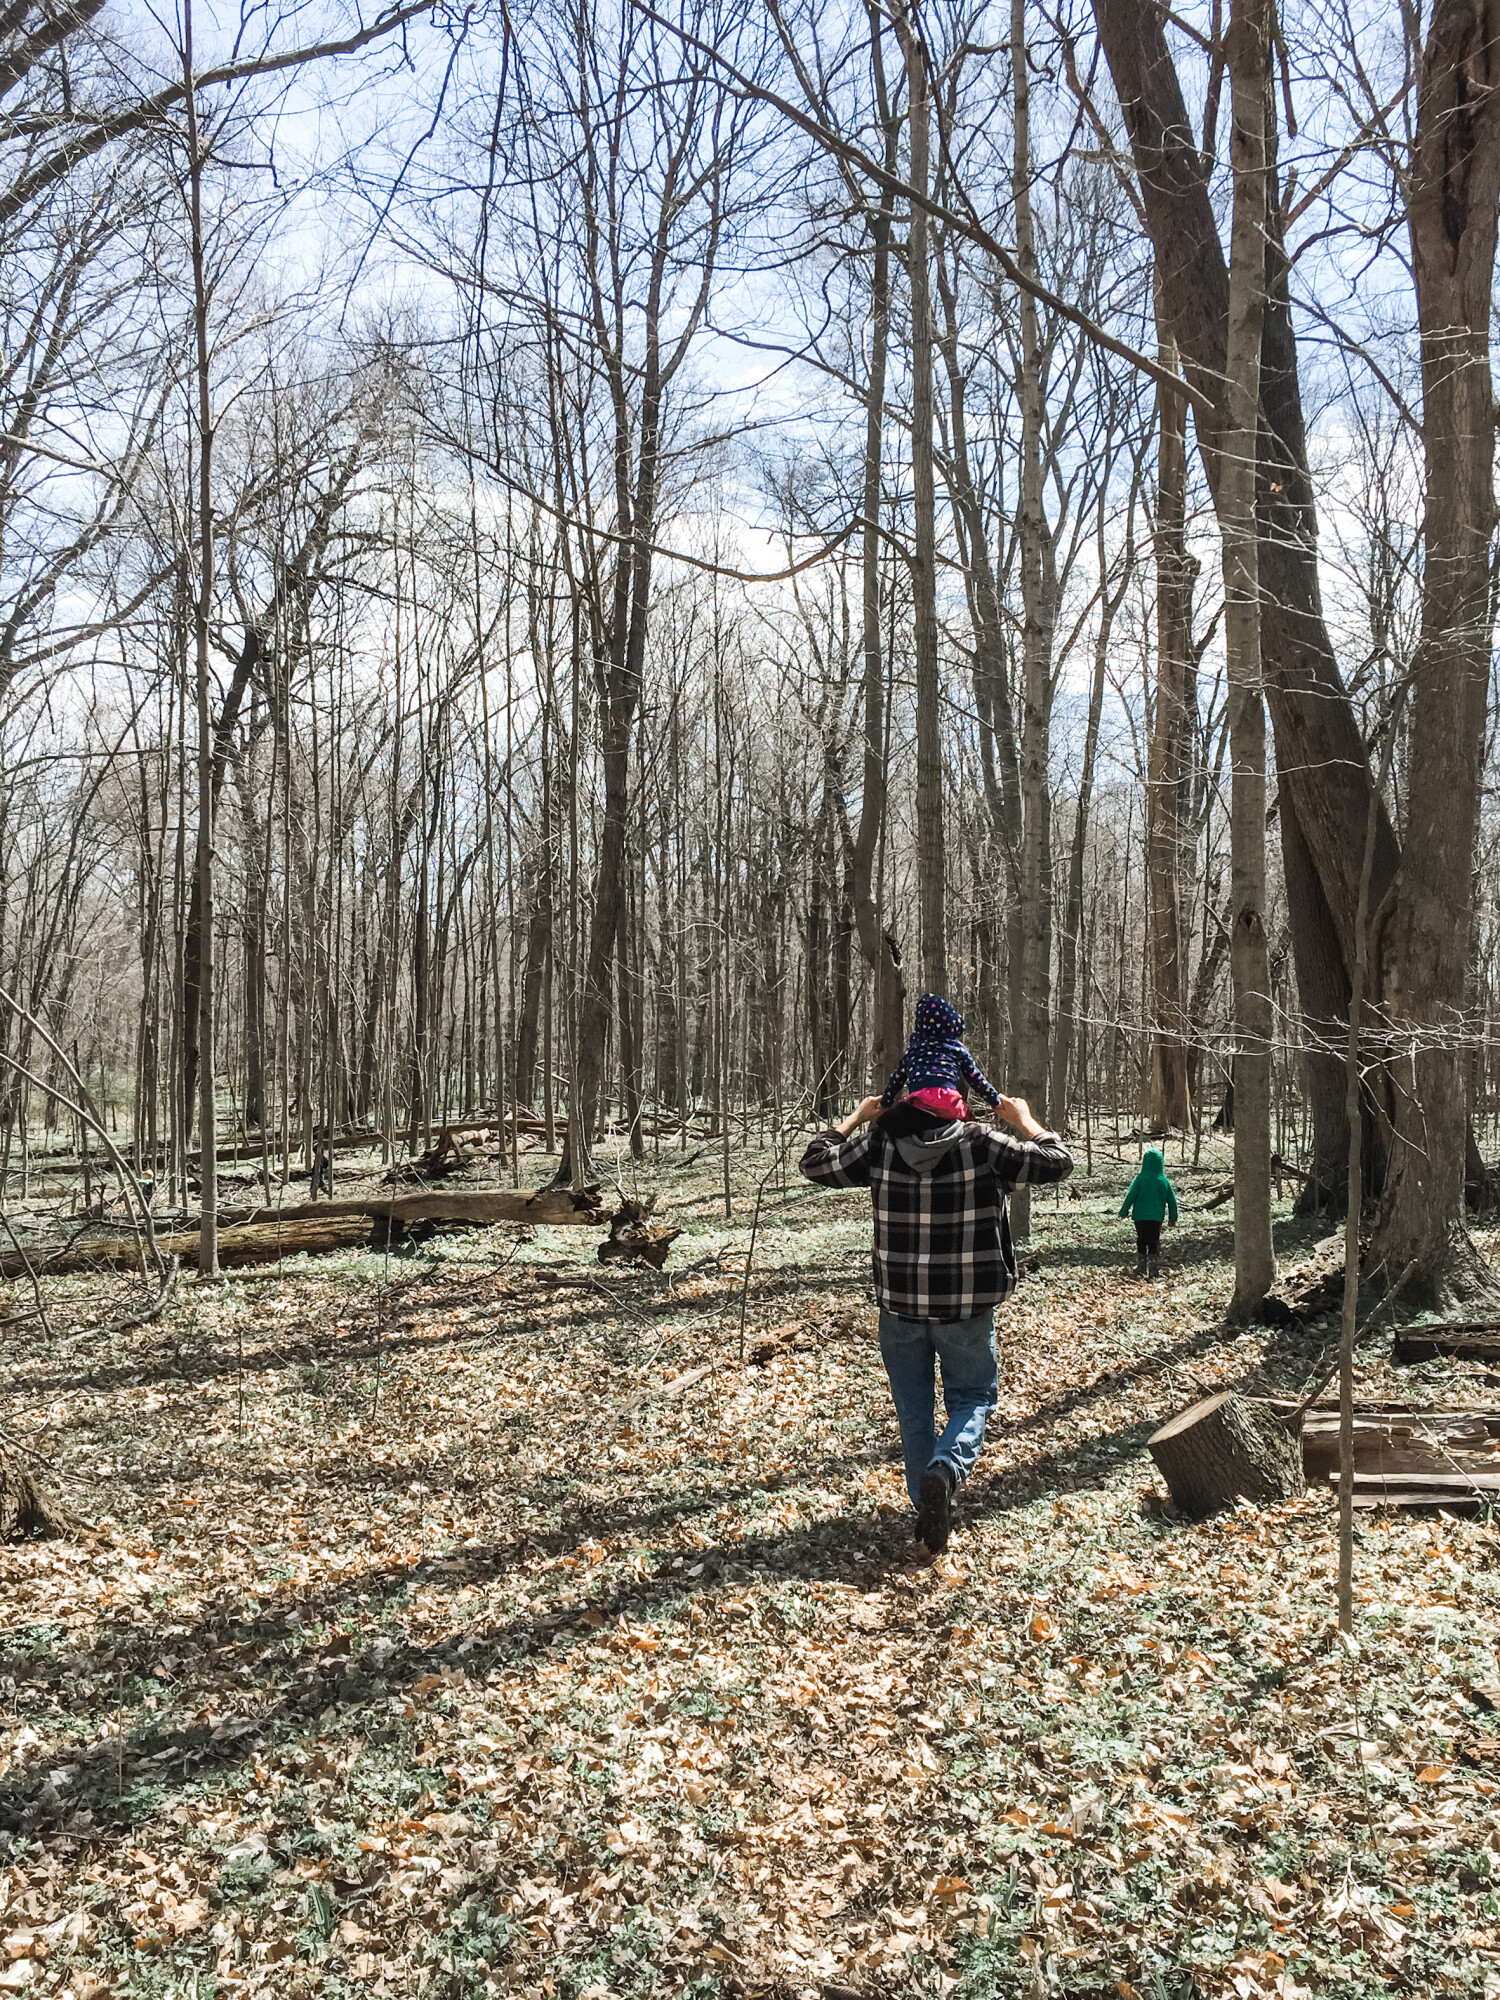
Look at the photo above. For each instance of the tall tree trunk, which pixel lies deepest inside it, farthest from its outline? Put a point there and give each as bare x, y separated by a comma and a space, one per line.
419, 1115
931, 883
539, 927
1322, 989
1453, 198
1254, 1257
208, 1228
877, 947
253, 953
1067, 958
1031, 1019
994, 707
1170, 767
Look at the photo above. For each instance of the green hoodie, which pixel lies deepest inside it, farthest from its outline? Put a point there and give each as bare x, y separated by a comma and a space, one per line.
1151, 1194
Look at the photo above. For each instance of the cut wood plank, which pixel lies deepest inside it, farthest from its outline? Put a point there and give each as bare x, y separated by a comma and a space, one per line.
1395, 1441
1466, 1341
1457, 1493
1428, 1482
1224, 1448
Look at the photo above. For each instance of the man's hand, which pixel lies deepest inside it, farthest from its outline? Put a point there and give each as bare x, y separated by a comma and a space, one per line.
1016, 1111
862, 1114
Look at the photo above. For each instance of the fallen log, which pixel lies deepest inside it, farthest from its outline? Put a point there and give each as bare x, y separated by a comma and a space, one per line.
252, 1149
1224, 1448
318, 1227
239, 1246
1402, 1457
447, 1155
478, 1208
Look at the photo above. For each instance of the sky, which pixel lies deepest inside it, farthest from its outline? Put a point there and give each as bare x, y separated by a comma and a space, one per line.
342, 172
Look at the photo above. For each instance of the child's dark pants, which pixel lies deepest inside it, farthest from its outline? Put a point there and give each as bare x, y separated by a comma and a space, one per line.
1149, 1249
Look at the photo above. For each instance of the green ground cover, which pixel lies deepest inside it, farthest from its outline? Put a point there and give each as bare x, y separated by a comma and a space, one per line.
438, 1644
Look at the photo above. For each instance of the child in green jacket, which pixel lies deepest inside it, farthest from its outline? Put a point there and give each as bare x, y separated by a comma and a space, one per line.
1151, 1197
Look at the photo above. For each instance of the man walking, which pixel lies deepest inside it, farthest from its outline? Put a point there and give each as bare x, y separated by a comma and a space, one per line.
943, 1261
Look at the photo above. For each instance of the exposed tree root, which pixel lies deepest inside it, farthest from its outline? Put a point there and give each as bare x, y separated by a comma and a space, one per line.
1457, 1281
26, 1514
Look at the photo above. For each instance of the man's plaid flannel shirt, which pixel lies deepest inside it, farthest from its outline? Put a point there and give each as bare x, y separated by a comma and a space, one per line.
943, 1248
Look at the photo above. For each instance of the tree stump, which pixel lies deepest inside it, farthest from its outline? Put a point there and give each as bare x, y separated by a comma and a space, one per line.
1228, 1447
25, 1512
631, 1239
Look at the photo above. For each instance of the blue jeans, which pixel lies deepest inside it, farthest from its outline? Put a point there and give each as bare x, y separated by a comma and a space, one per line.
964, 1350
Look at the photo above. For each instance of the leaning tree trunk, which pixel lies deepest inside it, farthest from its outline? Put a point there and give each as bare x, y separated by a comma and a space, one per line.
1454, 193
1323, 770
1254, 1257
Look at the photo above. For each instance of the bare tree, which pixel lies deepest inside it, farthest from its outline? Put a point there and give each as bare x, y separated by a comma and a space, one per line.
932, 886
1453, 197
1248, 56
1169, 778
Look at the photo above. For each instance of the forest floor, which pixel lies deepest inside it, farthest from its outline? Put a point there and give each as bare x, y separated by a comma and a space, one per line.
451, 1632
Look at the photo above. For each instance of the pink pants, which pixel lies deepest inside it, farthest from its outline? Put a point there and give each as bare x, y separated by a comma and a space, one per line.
945, 1103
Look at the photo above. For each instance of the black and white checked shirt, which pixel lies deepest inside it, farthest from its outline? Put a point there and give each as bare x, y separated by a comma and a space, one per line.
943, 1248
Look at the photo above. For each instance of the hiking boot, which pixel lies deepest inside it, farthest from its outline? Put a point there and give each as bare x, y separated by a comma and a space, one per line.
935, 1506
1140, 1267
1153, 1267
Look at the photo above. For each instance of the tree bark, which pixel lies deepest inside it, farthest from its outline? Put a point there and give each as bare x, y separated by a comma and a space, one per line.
876, 946
1067, 966
1322, 765
203, 878
26, 1514
1031, 982
1227, 1448
1254, 1257
1170, 768
931, 882
1452, 208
